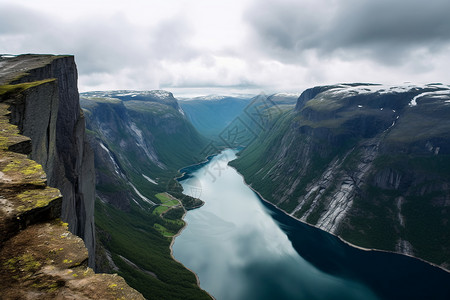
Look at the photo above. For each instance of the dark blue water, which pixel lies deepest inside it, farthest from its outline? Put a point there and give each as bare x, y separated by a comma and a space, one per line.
243, 248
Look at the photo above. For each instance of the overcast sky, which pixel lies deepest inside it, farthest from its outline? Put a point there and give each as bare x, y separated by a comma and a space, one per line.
262, 45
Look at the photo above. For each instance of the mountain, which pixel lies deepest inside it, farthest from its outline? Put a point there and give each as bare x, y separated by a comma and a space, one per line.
234, 122
211, 114
368, 163
140, 141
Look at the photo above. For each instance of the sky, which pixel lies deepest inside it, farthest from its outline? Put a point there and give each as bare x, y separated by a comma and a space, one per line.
218, 46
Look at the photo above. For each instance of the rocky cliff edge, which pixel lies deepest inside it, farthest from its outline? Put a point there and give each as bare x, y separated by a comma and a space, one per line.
39, 256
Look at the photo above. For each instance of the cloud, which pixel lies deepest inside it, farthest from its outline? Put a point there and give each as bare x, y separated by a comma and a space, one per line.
170, 40
386, 31
271, 45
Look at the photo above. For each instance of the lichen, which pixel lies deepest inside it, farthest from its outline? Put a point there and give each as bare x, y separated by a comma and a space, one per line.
37, 198
11, 89
24, 263
49, 286
64, 224
25, 166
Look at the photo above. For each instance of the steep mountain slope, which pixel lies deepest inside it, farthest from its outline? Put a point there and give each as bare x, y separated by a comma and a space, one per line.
140, 140
366, 162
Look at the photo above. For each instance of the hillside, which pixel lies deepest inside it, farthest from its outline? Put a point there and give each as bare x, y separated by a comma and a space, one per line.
140, 140
368, 163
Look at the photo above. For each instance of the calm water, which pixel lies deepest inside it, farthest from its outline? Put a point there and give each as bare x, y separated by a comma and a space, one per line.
243, 248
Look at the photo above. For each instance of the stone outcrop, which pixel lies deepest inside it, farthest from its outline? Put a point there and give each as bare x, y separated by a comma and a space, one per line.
39, 257
42, 93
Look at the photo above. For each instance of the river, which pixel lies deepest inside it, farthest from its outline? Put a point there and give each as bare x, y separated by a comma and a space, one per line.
241, 247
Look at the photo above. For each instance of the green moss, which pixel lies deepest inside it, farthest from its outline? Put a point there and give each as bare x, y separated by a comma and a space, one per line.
32, 169
11, 89
25, 166
37, 198
24, 264
3, 143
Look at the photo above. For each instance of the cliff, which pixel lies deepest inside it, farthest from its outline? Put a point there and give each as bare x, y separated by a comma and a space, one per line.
47, 110
364, 162
42, 131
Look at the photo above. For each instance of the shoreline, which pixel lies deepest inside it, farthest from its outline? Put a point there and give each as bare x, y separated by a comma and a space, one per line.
340, 238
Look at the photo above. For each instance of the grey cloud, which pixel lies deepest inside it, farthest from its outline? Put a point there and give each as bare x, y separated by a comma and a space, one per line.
101, 44
384, 30
169, 40
16, 19
107, 45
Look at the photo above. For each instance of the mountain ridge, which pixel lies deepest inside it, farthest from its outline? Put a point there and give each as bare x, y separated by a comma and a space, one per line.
340, 160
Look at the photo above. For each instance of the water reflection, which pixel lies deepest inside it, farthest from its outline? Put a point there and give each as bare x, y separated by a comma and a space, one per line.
242, 248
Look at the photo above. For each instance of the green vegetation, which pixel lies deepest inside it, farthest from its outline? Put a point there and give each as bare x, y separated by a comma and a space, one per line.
175, 214
160, 209
376, 227
427, 227
166, 199
145, 240
143, 138
11, 89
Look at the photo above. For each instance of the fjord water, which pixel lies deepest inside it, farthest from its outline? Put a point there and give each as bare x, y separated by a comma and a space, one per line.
243, 248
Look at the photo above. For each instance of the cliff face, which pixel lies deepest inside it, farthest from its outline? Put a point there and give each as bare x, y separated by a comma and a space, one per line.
364, 162
50, 114
39, 257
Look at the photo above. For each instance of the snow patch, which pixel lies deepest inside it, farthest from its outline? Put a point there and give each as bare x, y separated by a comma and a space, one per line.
116, 166
149, 179
288, 95
132, 94
344, 90
161, 94
136, 131
142, 196
440, 94
141, 144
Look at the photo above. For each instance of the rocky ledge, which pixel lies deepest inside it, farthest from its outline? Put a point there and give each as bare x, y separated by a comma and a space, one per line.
39, 257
